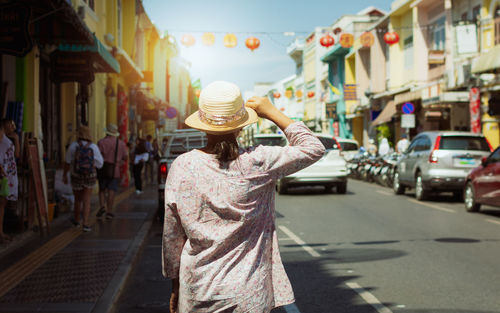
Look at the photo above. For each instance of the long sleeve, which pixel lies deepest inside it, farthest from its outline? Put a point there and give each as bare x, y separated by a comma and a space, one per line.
174, 236
304, 150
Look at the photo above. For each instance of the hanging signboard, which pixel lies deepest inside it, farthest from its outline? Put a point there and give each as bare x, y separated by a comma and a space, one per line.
408, 120
466, 38
350, 92
14, 35
331, 110
71, 67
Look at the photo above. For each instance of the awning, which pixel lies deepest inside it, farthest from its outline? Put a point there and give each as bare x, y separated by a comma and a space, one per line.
386, 114
488, 62
57, 21
103, 60
407, 96
389, 93
129, 70
337, 51
447, 97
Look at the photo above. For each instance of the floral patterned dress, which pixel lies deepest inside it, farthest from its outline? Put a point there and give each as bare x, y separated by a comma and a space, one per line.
8, 162
219, 235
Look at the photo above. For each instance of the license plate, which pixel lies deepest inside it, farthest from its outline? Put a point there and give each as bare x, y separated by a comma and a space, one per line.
465, 162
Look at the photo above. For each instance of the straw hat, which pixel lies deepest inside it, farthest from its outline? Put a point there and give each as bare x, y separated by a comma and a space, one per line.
112, 130
221, 110
83, 133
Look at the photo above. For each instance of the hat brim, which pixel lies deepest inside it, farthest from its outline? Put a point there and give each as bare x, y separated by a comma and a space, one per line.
194, 121
113, 133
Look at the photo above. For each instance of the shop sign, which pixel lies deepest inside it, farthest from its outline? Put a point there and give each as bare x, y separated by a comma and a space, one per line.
350, 92
14, 35
475, 110
408, 121
331, 110
71, 67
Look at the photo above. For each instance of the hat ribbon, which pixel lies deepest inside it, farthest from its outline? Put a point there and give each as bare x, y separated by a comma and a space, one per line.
220, 120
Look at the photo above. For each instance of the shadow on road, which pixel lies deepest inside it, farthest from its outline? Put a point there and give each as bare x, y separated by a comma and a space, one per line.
313, 190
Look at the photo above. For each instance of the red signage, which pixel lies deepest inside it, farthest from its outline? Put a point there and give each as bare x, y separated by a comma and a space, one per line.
475, 110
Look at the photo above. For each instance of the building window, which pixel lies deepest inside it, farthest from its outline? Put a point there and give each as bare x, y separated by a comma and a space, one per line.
90, 4
408, 52
438, 35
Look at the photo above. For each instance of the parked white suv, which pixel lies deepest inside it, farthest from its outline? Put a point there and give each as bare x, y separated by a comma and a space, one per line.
439, 161
330, 171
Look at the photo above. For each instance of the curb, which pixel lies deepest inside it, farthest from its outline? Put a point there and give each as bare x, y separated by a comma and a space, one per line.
113, 291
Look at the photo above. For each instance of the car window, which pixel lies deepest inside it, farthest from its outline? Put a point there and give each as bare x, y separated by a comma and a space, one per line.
464, 143
180, 145
412, 145
495, 156
348, 146
329, 143
270, 141
423, 144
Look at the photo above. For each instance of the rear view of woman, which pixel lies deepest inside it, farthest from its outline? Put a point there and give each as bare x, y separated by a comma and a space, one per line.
219, 243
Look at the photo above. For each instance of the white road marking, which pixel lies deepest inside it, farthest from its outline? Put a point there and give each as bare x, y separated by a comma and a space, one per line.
291, 308
432, 206
369, 298
384, 192
284, 238
493, 221
299, 241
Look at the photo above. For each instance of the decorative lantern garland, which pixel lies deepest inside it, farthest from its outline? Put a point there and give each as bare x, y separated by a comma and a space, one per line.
208, 39
310, 94
188, 40
391, 38
276, 95
367, 39
230, 40
252, 43
327, 41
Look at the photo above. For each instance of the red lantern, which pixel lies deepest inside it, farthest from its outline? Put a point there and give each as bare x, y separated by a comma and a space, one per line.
252, 43
282, 109
337, 30
391, 38
327, 41
276, 95
346, 40
310, 94
367, 39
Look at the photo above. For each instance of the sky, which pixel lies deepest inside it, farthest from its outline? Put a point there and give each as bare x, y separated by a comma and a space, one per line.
265, 19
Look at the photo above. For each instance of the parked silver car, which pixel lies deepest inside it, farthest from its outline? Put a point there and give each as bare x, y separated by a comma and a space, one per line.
330, 171
439, 161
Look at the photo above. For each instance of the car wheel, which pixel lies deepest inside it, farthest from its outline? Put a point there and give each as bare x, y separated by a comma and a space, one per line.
281, 188
420, 192
396, 185
328, 188
469, 199
342, 188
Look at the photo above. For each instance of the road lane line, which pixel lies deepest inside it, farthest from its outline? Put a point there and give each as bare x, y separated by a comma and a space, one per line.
283, 239
493, 221
385, 192
369, 298
291, 308
299, 241
432, 206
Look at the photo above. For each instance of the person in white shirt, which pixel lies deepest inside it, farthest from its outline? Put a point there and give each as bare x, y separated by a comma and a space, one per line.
402, 144
141, 157
82, 159
384, 147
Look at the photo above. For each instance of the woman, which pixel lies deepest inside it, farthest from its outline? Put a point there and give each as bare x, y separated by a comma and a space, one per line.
141, 157
8, 169
82, 159
219, 241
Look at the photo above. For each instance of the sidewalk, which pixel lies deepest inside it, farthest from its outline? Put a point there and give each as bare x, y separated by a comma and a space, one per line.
80, 272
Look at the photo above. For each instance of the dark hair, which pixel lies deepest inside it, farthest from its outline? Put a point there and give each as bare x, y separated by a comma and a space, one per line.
141, 147
149, 137
226, 148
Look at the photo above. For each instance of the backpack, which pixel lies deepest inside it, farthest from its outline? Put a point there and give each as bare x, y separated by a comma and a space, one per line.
84, 159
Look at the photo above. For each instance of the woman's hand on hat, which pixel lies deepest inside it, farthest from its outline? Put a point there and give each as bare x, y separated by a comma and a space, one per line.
261, 105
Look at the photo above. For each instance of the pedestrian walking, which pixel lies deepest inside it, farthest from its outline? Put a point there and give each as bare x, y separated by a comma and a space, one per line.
82, 159
372, 147
220, 246
402, 144
8, 177
114, 152
141, 156
10, 131
148, 175
384, 147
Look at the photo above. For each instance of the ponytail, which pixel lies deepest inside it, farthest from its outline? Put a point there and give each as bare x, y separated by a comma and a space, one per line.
226, 148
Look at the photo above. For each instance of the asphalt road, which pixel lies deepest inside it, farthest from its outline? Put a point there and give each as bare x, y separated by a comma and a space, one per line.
366, 251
